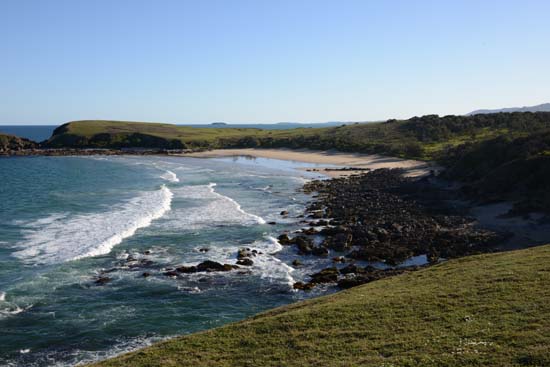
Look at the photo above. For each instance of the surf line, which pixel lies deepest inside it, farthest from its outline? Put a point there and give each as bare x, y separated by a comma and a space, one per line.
257, 218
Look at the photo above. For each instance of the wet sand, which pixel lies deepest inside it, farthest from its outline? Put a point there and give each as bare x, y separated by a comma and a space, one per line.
365, 162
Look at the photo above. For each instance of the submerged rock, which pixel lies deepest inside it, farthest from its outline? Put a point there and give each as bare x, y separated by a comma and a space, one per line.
297, 263
102, 280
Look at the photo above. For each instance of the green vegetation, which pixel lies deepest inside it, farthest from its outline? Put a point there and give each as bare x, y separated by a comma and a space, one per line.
505, 168
485, 310
500, 156
427, 137
13, 143
120, 134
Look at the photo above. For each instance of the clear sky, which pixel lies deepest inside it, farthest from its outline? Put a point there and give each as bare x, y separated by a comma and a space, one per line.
267, 61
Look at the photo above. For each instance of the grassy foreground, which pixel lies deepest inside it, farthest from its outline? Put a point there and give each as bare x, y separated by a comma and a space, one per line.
487, 310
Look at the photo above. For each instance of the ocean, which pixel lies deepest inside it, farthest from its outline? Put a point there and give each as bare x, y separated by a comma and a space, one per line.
65, 221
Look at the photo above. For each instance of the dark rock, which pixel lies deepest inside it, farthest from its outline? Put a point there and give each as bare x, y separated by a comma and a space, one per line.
339, 241
319, 223
210, 266
319, 251
296, 263
309, 231
171, 273
352, 269
272, 223
303, 286
147, 252
304, 244
245, 262
328, 275
187, 269
284, 240
145, 263
102, 280
246, 252
284, 212
108, 271
204, 249
146, 274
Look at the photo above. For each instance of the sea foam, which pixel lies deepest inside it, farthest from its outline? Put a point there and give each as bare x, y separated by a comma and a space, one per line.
58, 238
265, 263
258, 219
214, 209
170, 176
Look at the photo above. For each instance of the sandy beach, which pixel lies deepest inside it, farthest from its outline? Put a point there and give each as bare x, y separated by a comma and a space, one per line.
413, 168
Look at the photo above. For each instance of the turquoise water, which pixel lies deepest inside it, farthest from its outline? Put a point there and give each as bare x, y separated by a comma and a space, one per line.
64, 220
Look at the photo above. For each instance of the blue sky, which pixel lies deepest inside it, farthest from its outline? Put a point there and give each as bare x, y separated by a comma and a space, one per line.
267, 61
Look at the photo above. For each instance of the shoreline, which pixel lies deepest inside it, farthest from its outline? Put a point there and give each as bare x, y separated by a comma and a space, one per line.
353, 162
339, 164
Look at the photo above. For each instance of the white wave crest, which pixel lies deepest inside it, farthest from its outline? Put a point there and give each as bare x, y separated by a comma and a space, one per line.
170, 176
271, 267
2, 296
213, 209
13, 310
58, 239
265, 263
258, 219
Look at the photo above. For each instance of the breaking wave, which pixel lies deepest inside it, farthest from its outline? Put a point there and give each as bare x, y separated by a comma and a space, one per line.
59, 238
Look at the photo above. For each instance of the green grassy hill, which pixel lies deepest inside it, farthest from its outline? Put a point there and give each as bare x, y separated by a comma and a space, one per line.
487, 310
427, 137
116, 134
502, 156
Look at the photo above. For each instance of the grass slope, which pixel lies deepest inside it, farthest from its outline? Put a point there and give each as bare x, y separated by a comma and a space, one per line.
427, 137
109, 134
487, 310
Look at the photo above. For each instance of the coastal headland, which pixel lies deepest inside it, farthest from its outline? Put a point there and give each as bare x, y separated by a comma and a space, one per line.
403, 194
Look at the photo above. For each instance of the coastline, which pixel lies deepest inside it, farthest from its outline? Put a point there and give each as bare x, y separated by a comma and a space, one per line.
347, 275
339, 164
359, 162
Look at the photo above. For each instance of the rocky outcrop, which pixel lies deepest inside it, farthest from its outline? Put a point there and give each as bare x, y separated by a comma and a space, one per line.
383, 217
10, 144
205, 266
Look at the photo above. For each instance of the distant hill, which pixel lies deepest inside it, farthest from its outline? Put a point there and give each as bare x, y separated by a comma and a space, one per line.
545, 107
